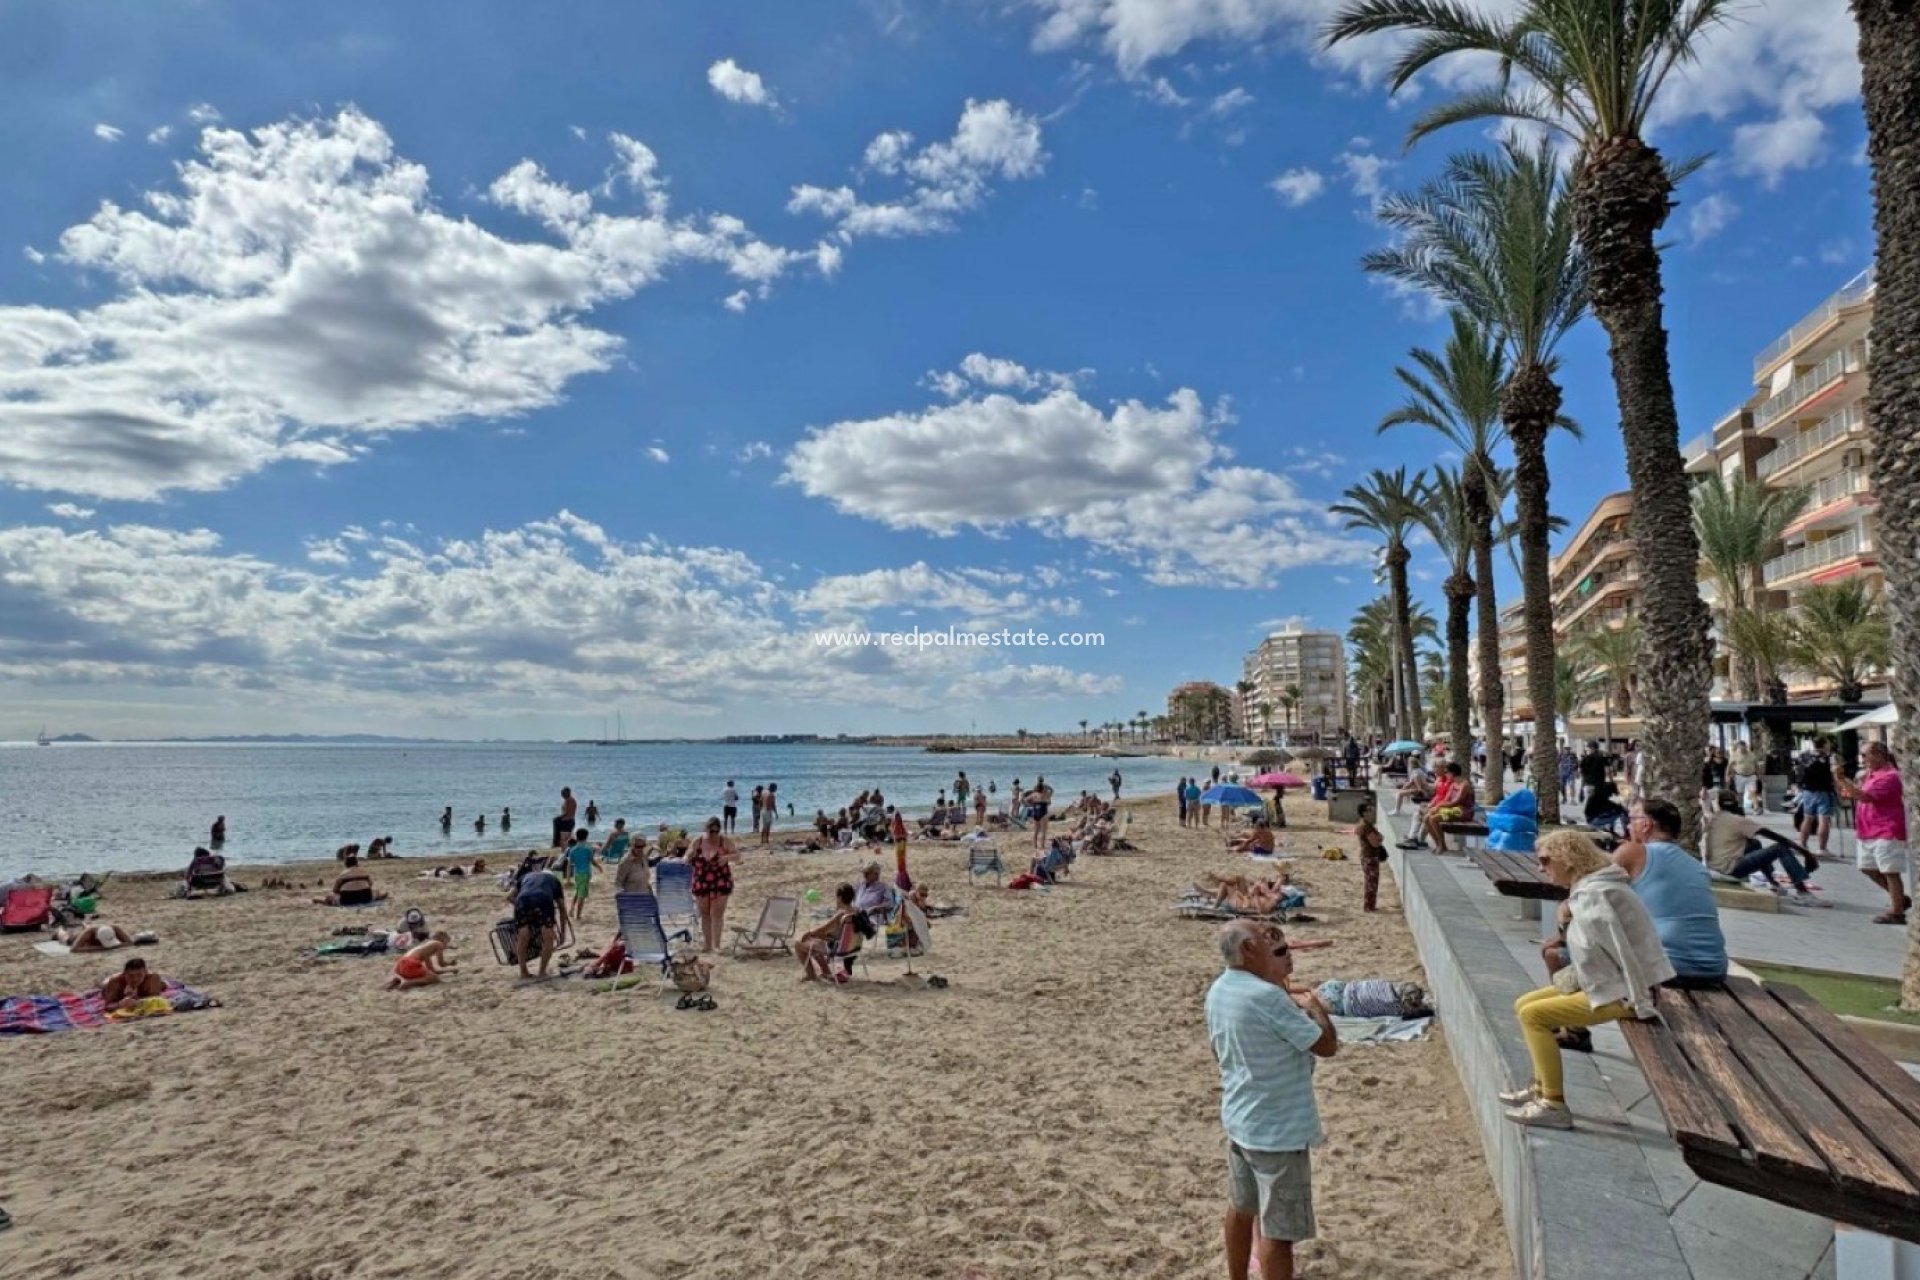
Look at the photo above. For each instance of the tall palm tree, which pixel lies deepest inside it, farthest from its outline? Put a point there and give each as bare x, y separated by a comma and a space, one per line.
1574, 684
1387, 504
1590, 72
1140, 722
1370, 645
1889, 70
1494, 236
1840, 634
1083, 728
1290, 698
1265, 712
1737, 525
1457, 393
1616, 654
1448, 517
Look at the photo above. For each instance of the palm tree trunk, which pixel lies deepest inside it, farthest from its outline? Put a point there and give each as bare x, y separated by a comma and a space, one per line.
1459, 590
1890, 85
1529, 406
1493, 695
1407, 711
1621, 197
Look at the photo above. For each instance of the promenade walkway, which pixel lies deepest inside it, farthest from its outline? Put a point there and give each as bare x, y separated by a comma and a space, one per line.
1613, 1197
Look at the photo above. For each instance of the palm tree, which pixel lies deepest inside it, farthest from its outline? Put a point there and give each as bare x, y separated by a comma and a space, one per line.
1763, 639
1494, 236
1840, 634
1574, 684
1457, 393
1290, 698
1140, 722
1889, 68
1448, 517
1590, 72
1388, 505
1083, 728
1616, 654
1265, 712
1737, 525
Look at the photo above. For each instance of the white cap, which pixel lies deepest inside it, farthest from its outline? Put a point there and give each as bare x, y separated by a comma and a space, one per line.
105, 937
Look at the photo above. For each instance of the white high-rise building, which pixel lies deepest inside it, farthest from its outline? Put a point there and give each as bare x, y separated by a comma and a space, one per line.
1301, 677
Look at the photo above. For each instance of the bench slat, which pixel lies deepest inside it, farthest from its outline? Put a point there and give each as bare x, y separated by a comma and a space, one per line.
1889, 1128
1747, 1106
1856, 1163
1692, 1113
1873, 1066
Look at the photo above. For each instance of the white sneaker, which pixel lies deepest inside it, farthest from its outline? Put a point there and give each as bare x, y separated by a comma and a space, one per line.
1541, 1114
1808, 900
1517, 1097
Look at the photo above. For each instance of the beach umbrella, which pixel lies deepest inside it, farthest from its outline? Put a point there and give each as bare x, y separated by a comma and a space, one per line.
1231, 795
1278, 780
1403, 748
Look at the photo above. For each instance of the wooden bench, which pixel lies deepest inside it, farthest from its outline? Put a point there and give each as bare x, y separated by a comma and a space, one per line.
1518, 875
1768, 1092
1466, 831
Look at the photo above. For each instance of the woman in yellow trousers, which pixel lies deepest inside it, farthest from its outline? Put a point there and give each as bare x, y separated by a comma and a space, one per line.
1615, 962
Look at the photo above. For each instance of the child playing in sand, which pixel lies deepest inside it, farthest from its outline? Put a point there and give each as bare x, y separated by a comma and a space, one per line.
422, 965
1373, 852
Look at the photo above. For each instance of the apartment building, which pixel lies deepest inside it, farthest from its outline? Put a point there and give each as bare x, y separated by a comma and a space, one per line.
1314, 663
1200, 710
1596, 587
1806, 425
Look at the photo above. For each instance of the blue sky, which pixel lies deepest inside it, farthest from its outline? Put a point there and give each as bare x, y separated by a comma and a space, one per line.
475, 369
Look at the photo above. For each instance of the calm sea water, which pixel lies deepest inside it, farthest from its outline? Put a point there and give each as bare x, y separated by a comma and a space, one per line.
89, 807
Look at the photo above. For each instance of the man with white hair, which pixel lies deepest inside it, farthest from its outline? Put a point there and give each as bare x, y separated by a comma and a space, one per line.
1265, 1038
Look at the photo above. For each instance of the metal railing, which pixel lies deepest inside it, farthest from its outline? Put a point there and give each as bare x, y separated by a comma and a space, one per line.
1848, 359
1856, 290
1815, 554
1697, 448
1849, 421
1835, 487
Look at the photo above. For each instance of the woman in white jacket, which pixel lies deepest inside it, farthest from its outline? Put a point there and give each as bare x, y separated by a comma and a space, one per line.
1615, 962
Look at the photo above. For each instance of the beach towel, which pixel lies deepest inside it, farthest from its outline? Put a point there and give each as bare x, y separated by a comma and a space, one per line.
74, 1010
1381, 1030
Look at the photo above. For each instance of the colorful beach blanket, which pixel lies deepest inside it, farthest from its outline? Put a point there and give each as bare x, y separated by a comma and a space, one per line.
73, 1010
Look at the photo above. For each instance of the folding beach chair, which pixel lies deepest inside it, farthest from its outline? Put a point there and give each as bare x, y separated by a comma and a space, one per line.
648, 941
984, 858
773, 935
673, 883
849, 949
27, 907
505, 940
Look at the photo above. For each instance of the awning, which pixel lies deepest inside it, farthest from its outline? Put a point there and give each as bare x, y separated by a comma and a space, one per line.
1885, 713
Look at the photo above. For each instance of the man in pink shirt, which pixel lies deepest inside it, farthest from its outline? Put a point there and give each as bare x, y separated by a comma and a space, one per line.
1880, 828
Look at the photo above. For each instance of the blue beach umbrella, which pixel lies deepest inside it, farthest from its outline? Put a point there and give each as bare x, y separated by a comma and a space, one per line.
1404, 747
1231, 795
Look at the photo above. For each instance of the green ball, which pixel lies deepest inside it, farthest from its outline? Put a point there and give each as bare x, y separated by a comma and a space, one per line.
812, 896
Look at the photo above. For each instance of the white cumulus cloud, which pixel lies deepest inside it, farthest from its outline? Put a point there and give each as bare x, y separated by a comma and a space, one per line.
107, 133
1710, 216
1296, 187
736, 84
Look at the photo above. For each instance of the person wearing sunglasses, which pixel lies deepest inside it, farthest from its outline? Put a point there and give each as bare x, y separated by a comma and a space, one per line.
1615, 960
1265, 1037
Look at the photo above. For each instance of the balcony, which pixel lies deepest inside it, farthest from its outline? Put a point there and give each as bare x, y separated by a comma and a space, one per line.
1613, 586
1849, 359
1593, 555
1850, 421
1852, 293
1816, 555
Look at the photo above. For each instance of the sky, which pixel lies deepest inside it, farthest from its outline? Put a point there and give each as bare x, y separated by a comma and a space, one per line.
480, 369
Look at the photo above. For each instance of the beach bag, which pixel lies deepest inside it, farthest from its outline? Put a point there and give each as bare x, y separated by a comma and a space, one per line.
689, 973
1514, 826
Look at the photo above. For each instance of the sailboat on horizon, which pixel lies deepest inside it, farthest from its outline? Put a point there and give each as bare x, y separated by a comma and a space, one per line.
43, 740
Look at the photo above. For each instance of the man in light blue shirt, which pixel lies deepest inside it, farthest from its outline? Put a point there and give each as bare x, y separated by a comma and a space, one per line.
1265, 1039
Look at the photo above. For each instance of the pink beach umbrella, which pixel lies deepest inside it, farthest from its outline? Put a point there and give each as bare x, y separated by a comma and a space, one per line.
1278, 780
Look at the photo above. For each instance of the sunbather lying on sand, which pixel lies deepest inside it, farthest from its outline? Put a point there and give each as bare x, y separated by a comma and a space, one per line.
94, 937
1244, 893
422, 966
131, 985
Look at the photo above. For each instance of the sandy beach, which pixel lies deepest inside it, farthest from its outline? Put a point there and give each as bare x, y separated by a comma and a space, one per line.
1052, 1113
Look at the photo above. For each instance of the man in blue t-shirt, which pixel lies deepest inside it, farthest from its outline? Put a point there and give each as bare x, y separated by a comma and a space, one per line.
1677, 891
1265, 1039
539, 913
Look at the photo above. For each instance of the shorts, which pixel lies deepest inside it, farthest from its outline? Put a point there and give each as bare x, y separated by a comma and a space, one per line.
1039, 812
410, 969
1274, 1188
1816, 804
582, 882
533, 917
1888, 857
1451, 813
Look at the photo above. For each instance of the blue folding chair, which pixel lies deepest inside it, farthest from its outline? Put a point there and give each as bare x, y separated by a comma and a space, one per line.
985, 859
673, 882
648, 941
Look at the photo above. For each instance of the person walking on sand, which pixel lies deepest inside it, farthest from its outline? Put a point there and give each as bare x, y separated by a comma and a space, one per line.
758, 801
581, 861
423, 964
980, 809
1880, 828
729, 808
772, 802
1265, 1037
712, 857
1040, 804
563, 821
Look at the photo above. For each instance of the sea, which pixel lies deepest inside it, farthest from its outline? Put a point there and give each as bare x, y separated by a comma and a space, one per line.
74, 807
